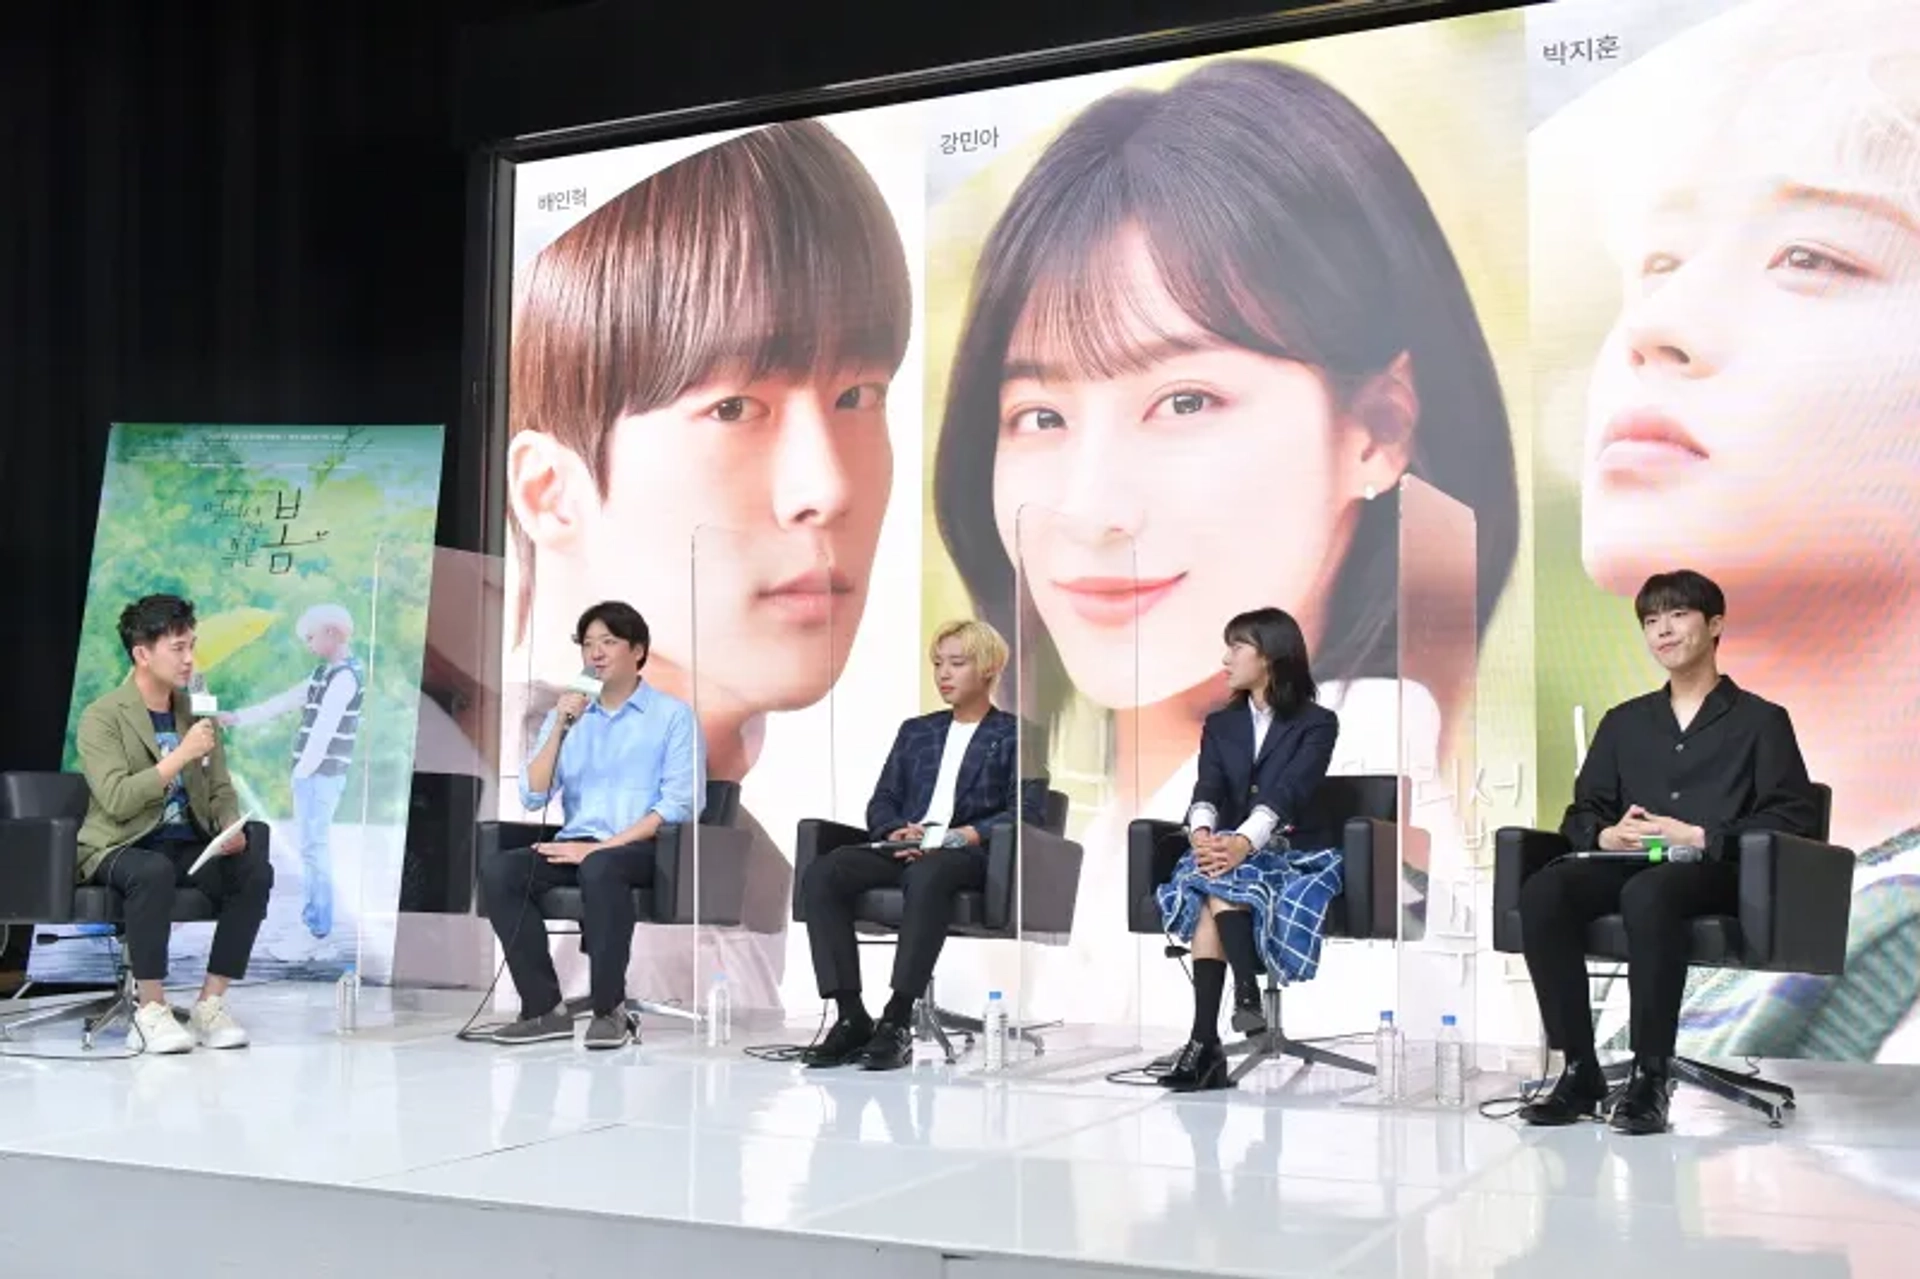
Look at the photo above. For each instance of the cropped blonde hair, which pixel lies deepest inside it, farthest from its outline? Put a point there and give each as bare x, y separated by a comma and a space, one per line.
324, 615
980, 641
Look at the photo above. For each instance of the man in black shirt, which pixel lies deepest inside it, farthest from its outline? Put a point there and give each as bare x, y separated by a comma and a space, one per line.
1694, 765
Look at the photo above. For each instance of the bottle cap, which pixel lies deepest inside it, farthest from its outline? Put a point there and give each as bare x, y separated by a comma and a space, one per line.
993, 994
1448, 1020
1386, 1015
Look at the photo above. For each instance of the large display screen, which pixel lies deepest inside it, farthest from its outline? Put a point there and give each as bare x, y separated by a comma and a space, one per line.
1635, 281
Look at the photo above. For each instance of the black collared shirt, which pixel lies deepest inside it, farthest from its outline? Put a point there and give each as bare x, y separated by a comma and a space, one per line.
1735, 768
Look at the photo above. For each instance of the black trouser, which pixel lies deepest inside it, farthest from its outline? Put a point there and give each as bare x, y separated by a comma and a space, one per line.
146, 876
929, 883
1657, 905
515, 878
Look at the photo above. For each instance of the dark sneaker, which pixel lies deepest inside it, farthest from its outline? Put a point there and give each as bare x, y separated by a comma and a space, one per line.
1199, 1068
610, 1030
1249, 1011
535, 1030
891, 1047
1576, 1096
842, 1046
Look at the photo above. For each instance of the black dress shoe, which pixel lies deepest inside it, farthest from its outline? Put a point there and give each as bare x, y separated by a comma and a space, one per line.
1578, 1094
1249, 1011
1198, 1068
843, 1044
1642, 1108
890, 1048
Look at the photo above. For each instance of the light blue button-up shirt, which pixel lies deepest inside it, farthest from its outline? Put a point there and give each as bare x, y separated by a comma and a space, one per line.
617, 766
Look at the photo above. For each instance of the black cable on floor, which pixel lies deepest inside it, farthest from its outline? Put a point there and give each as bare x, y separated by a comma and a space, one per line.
788, 1053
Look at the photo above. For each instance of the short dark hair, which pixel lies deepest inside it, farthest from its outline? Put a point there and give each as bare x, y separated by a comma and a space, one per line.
1682, 589
623, 620
152, 618
1274, 634
774, 249
1284, 222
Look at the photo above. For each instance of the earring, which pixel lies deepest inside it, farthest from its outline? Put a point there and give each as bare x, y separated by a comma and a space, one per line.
1371, 492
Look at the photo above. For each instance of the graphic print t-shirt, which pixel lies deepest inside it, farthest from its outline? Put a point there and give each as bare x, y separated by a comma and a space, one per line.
176, 823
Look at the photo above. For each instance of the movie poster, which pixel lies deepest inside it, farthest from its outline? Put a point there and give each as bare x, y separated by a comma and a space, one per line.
307, 552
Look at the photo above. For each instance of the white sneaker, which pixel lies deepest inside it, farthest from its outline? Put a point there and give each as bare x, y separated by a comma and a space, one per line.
156, 1030
214, 1027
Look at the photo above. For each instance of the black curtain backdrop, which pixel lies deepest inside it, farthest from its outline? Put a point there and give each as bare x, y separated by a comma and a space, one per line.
257, 212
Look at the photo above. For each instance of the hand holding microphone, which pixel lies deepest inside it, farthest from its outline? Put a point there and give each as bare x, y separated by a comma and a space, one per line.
581, 690
200, 740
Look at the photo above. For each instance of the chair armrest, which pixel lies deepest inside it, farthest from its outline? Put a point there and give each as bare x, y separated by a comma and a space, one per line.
1796, 903
817, 837
714, 893
1151, 854
39, 865
1518, 855
1048, 871
491, 838
1370, 865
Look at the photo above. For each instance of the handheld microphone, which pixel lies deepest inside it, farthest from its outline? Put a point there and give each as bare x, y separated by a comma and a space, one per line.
587, 684
203, 703
1643, 856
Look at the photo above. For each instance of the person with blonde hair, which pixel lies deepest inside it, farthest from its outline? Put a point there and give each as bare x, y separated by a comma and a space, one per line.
329, 701
950, 779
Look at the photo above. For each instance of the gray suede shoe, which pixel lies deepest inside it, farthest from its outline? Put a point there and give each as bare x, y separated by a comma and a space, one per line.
557, 1024
614, 1030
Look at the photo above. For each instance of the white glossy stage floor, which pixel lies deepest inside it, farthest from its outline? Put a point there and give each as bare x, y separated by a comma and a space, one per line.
399, 1151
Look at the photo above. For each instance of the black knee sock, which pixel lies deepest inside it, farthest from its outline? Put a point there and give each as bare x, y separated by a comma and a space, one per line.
899, 1009
1236, 938
1209, 983
850, 1007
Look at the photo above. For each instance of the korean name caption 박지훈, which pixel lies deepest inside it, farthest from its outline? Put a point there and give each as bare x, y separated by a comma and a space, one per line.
1596, 49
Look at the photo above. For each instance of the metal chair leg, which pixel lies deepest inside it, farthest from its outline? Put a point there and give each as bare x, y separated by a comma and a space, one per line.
1273, 1043
1730, 1085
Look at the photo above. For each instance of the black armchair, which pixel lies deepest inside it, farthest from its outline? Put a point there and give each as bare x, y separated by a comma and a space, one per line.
1041, 860
716, 895
1365, 809
1796, 900
40, 816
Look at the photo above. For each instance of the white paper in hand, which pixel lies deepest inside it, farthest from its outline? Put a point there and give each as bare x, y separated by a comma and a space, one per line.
212, 850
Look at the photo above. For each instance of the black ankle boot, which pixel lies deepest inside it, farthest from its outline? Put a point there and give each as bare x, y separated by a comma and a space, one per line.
1577, 1095
1642, 1108
1249, 1011
1199, 1067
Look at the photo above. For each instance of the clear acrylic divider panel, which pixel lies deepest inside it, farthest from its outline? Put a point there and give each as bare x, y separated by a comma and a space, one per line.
1074, 682
350, 867
462, 752
1445, 863
769, 638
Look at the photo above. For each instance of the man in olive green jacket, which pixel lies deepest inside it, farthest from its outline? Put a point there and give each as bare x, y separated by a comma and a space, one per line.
157, 790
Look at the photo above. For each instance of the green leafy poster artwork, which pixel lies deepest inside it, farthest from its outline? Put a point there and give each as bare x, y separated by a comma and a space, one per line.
307, 553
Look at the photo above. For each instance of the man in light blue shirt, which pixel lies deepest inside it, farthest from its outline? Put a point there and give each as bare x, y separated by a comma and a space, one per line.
625, 764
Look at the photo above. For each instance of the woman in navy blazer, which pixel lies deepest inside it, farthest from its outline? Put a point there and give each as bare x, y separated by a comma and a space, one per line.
1253, 887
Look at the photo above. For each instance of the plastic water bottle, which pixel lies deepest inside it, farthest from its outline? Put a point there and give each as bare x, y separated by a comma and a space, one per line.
1389, 1056
719, 1012
346, 1001
993, 1029
1450, 1064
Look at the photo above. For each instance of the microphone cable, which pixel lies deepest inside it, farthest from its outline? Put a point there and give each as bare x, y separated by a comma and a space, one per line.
484, 1034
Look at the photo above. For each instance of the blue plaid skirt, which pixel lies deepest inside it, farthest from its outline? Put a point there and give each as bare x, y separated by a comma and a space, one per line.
1286, 890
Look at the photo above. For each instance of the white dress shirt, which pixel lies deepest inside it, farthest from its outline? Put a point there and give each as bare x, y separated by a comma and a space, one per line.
1262, 821
940, 807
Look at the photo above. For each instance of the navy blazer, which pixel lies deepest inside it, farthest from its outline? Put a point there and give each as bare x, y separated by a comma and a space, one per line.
1292, 763
985, 793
